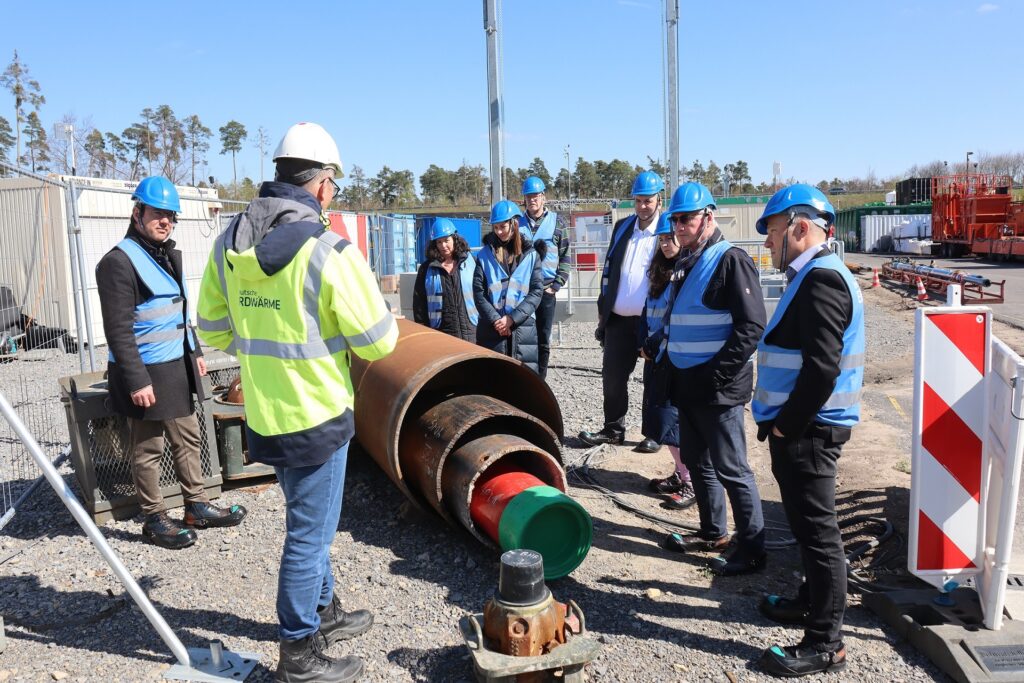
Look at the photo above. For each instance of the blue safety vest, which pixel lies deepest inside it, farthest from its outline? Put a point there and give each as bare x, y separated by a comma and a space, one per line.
696, 333
656, 310
433, 287
160, 321
546, 232
778, 368
624, 229
505, 292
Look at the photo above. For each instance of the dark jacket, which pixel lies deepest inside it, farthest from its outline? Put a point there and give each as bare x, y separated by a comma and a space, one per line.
454, 318
120, 290
522, 343
814, 322
728, 378
606, 299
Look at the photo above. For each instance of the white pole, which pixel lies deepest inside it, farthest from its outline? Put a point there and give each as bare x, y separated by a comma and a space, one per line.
89, 527
954, 295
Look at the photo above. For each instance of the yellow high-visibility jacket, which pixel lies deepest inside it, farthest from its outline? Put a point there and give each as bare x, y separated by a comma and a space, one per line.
292, 300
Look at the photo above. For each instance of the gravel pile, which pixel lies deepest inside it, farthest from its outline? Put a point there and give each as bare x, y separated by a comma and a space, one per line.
660, 617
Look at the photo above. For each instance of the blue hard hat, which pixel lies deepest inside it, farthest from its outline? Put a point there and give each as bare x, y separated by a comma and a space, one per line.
504, 210
690, 197
442, 227
800, 194
158, 192
664, 224
648, 183
533, 185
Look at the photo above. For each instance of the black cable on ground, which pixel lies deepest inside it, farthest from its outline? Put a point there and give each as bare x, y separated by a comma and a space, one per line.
578, 472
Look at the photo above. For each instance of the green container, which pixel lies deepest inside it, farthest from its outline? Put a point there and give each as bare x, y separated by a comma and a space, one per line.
544, 519
848, 220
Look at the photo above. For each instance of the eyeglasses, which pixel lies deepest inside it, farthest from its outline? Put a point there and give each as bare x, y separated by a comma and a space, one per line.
337, 189
686, 218
167, 214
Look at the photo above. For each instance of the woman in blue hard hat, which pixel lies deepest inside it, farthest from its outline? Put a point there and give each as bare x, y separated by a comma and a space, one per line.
659, 415
442, 297
508, 286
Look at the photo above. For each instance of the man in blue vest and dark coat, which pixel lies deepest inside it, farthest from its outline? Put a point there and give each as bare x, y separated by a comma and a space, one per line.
620, 305
810, 369
547, 226
716, 321
155, 364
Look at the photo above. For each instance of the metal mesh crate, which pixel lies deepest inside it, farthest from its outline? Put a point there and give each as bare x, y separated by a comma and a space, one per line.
99, 450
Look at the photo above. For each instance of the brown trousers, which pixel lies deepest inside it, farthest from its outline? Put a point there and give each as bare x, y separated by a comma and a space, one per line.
146, 441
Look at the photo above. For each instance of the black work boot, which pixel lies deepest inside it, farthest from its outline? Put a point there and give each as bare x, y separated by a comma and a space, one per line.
203, 515
337, 624
165, 532
304, 661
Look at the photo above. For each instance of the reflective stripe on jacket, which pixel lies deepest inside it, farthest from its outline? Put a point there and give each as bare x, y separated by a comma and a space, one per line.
546, 232
432, 284
696, 333
506, 292
159, 321
656, 310
778, 368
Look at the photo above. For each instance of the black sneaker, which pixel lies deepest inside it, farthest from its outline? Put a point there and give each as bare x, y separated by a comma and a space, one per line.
784, 610
602, 437
667, 485
681, 500
203, 515
165, 532
304, 661
336, 624
801, 660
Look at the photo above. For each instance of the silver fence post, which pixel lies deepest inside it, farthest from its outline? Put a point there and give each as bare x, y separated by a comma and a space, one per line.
76, 288
64, 492
82, 276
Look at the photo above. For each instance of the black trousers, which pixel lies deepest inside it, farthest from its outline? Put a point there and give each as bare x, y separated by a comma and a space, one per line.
805, 468
621, 352
545, 319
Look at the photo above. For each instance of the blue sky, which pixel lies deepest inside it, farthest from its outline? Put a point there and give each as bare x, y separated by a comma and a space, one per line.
828, 88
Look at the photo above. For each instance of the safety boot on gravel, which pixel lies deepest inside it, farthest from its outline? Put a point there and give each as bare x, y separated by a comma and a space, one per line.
165, 532
203, 515
304, 661
337, 624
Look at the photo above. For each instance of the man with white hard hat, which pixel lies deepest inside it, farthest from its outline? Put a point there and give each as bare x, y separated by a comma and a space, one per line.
294, 301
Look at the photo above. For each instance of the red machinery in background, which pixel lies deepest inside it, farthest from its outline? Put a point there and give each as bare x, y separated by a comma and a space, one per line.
975, 213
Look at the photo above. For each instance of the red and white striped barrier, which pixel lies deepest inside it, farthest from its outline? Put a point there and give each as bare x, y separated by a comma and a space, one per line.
946, 514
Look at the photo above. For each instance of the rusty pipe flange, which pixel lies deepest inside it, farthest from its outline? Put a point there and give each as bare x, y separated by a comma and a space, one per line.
426, 367
466, 465
425, 446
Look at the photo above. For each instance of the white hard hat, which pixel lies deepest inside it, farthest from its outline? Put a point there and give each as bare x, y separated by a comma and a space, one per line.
311, 142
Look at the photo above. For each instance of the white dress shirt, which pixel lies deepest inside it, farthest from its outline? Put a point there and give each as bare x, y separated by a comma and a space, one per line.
633, 283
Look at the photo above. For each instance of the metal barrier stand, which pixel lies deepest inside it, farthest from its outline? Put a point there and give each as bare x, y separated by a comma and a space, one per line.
194, 664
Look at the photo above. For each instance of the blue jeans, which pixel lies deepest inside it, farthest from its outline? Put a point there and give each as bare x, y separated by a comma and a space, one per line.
713, 446
305, 582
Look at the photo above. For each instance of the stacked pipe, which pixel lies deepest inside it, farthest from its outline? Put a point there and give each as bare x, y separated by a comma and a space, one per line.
941, 273
475, 436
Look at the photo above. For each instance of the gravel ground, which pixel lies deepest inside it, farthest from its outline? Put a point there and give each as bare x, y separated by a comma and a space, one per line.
659, 617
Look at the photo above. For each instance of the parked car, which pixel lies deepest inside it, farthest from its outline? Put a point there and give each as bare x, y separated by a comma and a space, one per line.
837, 190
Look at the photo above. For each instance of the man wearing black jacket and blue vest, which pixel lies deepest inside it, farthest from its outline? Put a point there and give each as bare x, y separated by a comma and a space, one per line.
624, 285
155, 364
717, 318
810, 367
541, 224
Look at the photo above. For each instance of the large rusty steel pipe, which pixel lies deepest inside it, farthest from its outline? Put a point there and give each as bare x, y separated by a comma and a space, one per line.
425, 451
425, 368
466, 431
